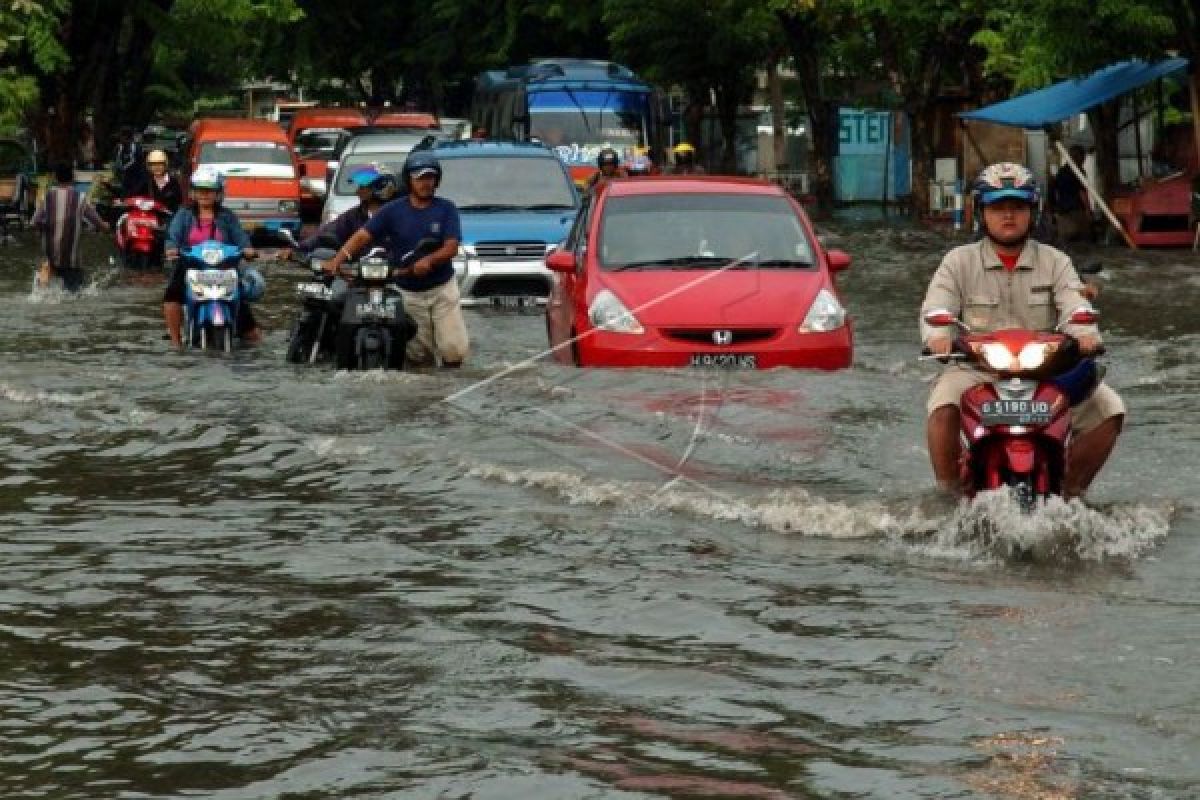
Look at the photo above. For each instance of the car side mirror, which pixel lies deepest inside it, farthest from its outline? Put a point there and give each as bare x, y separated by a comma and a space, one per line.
838, 260
302, 170
561, 261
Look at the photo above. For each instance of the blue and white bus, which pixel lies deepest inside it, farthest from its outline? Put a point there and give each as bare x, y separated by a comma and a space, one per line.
575, 106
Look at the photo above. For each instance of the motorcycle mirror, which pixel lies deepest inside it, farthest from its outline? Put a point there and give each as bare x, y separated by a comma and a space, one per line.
1084, 315
941, 318
288, 237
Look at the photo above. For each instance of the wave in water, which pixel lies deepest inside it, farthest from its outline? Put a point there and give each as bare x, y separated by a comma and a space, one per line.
990, 528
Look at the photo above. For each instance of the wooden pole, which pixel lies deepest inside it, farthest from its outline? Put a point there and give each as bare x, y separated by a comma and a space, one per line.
1079, 173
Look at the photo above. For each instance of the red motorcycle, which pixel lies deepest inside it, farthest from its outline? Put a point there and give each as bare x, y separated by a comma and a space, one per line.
141, 230
1017, 427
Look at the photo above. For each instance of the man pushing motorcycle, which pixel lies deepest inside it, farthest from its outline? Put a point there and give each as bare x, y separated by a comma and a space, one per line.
1009, 280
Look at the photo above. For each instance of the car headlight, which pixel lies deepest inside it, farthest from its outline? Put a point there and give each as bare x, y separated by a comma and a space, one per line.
997, 356
825, 314
287, 206
1033, 355
608, 313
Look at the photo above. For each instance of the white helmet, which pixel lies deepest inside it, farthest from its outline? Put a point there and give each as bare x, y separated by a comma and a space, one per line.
207, 177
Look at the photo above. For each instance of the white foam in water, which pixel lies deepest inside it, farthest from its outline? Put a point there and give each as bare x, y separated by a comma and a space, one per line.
29, 396
992, 527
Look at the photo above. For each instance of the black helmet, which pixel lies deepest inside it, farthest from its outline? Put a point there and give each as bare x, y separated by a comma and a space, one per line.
418, 162
608, 156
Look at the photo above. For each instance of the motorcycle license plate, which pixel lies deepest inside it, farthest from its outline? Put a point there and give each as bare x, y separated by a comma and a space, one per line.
1015, 412
376, 310
724, 360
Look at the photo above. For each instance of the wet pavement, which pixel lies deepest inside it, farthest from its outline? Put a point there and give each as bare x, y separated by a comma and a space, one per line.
235, 578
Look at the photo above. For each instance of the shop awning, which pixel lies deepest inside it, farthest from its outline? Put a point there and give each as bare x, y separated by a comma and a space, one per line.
1062, 100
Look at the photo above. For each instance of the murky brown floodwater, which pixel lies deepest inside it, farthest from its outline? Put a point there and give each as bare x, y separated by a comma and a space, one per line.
232, 578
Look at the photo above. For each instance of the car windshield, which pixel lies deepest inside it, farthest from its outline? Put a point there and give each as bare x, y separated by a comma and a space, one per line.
393, 161
497, 183
245, 153
703, 231
318, 142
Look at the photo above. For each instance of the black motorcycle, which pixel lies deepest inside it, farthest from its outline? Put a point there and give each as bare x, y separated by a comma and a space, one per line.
314, 334
374, 328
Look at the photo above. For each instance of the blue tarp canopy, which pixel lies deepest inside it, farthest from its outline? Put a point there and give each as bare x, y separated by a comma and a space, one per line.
1062, 100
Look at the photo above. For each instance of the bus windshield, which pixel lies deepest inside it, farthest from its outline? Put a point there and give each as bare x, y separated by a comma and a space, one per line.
579, 123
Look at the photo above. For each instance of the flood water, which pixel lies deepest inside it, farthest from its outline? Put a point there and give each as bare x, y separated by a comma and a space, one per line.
234, 578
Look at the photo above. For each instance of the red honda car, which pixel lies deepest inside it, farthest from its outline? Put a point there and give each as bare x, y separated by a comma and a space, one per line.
686, 271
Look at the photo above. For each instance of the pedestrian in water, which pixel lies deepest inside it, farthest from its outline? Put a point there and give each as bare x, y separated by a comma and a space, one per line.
60, 216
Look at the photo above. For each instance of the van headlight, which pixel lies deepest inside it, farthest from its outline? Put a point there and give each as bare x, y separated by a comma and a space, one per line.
287, 206
824, 315
608, 313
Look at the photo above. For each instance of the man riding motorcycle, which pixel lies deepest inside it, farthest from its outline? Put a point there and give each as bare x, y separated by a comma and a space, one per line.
1009, 280
608, 163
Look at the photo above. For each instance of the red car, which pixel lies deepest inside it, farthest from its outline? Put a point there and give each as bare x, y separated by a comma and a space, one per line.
686, 271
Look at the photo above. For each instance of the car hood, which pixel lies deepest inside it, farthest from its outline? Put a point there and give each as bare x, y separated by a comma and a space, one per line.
516, 226
702, 298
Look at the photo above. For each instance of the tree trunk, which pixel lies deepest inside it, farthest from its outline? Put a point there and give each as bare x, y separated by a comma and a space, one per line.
778, 118
727, 110
1103, 119
922, 120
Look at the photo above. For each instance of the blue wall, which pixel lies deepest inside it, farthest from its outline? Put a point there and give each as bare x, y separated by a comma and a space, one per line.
862, 148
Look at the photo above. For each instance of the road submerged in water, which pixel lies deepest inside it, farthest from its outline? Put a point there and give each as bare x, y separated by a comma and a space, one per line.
228, 577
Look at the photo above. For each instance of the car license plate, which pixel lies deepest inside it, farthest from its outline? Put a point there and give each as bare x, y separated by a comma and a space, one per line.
1015, 412
724, 360
513, 301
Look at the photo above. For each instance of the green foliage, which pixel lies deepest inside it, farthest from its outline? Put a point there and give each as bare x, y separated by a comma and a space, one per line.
27, 46
1037, 42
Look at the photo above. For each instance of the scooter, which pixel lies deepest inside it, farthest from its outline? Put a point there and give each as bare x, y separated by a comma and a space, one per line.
213, 292
141, 229
1017, 427
374, 328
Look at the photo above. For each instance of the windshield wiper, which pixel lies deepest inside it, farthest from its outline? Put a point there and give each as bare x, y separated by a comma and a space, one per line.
784, 262
672, 263
490, 207
548, 207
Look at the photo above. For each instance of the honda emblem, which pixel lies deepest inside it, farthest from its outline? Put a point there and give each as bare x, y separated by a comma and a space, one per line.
722, 337
510, 251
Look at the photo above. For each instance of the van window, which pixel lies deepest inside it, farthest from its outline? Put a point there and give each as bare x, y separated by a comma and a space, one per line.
245, 153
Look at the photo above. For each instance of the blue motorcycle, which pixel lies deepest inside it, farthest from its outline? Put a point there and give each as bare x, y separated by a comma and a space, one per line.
214, 291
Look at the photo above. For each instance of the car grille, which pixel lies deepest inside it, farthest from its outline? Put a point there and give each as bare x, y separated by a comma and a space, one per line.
705, 335
510, 251
497, 286
253, 206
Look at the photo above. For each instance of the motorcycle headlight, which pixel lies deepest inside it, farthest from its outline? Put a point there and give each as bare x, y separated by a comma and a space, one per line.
825, 314
211, 256
1033, 355
373, 269
997, 356
287, 206
608, 313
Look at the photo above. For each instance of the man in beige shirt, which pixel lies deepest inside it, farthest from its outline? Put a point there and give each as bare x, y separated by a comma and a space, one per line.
1008, 280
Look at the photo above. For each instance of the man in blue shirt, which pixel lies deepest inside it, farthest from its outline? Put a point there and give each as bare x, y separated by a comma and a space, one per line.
428, 286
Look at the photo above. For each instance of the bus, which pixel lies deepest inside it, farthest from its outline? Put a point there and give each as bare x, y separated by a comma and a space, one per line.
575, 106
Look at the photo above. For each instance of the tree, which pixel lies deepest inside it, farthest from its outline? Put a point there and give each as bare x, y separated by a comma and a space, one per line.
28, 48
707, 48
1027, 41
811, 31
918, 45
